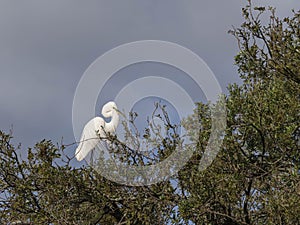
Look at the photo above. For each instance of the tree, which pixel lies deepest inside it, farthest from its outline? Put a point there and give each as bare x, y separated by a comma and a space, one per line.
255, 178
45, 189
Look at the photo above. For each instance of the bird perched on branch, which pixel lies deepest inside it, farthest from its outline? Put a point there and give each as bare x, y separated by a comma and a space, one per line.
97, 128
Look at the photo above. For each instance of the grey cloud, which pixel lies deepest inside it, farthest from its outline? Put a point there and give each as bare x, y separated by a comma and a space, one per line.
47, 45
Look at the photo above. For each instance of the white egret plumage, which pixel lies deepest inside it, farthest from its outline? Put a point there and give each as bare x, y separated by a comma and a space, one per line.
95, 128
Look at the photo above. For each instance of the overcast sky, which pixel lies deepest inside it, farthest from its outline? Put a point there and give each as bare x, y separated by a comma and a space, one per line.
45, 47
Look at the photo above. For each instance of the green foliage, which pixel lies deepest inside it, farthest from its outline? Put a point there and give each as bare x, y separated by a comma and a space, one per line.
268, 50
45, 189
255, 178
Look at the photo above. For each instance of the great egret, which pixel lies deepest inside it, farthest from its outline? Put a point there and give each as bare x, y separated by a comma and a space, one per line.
90, 138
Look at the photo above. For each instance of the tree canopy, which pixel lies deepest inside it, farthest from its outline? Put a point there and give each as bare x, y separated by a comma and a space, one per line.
255, 178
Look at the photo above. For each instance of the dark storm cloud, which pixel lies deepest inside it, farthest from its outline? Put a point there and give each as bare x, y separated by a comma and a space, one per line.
47, 45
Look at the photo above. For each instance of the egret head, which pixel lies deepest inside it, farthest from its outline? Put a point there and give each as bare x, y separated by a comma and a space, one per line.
108, 109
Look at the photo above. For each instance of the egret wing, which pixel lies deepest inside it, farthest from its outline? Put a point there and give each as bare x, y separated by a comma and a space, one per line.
89, 138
